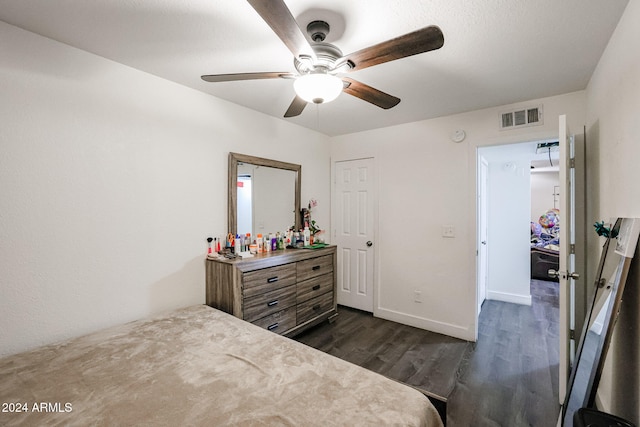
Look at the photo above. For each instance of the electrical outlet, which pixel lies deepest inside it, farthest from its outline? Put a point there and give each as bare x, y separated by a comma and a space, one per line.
417, 296
448, 231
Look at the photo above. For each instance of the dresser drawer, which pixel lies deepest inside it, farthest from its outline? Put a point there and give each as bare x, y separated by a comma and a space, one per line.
260, 281
313, 307
268, 303
314, 267
286, 291
314, 287
278, 322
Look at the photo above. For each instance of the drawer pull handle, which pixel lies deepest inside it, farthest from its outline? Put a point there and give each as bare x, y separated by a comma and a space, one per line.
316, 287
272, 279
315, 267
316, 307
272, 303
272, 327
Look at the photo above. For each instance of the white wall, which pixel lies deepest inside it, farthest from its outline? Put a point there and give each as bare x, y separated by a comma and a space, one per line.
427, 181
613, 153
542, 188
509, 239
111, 180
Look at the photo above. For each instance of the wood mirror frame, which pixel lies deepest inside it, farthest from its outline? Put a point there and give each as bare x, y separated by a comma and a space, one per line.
234, 159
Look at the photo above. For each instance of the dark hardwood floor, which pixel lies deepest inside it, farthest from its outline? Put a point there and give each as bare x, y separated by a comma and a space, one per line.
511, 378
508, 378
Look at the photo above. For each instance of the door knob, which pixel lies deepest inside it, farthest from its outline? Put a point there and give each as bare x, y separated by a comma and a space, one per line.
369, 243
553, 273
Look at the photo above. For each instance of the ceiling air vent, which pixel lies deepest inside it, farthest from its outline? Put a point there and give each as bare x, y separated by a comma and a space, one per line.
521, 117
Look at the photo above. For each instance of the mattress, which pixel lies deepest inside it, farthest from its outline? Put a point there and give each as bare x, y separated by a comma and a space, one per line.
198, 366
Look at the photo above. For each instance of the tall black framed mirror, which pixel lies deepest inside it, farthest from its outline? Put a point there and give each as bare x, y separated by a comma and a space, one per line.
264, 195
606, 296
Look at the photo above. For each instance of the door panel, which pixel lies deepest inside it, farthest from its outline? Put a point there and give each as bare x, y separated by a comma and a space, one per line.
572, 240
577, 213
353, 232
579, 228
563, 262
483, 249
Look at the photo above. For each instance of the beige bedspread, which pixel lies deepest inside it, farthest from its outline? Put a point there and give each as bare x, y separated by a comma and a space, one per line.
198, 366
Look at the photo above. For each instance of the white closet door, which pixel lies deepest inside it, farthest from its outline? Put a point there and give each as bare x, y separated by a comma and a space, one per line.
354, 196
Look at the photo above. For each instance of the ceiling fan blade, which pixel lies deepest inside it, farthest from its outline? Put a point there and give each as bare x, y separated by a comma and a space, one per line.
369, 94
296, 107
276, 14
419, 41
213, 78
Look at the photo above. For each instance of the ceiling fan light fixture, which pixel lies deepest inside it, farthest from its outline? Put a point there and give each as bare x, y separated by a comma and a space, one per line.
318, 88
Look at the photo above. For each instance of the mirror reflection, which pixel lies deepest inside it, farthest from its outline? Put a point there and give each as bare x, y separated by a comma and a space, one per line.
264, 195
598, 328
266, 199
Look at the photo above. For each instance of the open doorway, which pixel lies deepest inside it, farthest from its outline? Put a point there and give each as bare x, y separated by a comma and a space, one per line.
505, 239
521, 313
510, 195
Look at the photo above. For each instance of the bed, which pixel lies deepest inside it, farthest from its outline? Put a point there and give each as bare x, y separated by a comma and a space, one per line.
198, 366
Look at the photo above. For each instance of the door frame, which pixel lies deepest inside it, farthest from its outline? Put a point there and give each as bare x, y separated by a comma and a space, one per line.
564, 283
375, 231
564, 322
478, 154
483, 255
573, 250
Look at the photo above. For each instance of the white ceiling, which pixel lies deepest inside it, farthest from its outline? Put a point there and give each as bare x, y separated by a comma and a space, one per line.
545, 161
495, 52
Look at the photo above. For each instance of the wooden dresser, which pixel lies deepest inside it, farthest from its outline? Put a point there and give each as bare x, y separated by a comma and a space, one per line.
283, 291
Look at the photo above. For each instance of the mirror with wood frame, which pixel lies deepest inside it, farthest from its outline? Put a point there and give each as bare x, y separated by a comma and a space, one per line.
264, 195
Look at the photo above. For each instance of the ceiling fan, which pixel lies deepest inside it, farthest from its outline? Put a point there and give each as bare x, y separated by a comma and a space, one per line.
318, 63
